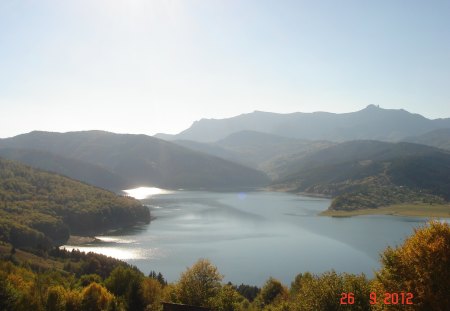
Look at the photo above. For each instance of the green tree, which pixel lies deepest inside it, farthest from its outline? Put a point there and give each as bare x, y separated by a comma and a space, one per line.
200, 283
271, 291
158, 276
248, 291
134, 299
420, 266
121, 278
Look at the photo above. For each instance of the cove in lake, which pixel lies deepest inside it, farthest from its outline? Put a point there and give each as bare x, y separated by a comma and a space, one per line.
252, 236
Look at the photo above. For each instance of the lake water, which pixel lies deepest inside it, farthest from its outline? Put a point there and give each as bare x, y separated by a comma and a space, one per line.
252, 236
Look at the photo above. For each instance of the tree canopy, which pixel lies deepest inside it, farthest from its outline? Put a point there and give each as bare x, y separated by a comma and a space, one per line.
420, 266
39, 209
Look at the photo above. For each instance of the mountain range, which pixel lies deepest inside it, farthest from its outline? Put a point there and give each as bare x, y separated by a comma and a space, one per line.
372, 122
365, 159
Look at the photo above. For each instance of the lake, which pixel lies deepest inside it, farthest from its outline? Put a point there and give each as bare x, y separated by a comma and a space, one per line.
251, 236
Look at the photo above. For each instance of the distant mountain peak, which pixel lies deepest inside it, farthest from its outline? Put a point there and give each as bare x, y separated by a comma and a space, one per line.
371, 122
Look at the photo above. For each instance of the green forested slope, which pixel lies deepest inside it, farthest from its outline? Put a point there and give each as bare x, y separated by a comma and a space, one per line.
79, 170
269, 153
41, 209
370, 174
439, 138
142, 160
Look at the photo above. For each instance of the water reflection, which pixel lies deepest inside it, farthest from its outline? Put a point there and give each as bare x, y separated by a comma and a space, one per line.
145, 192
119, 253
253, 236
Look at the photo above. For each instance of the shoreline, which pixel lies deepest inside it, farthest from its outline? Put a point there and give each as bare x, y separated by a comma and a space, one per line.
77, 240
402, 209
292, 191
406, 209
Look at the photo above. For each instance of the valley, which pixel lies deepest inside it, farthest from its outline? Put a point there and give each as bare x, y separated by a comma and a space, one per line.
253, 155
102, 207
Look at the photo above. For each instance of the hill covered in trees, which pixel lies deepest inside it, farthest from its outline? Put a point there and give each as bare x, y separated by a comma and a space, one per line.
439, 138
40, 209
371, 174
266, 152
141, 160
75, 169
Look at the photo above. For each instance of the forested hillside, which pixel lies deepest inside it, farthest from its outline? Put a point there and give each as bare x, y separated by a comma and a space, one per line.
41, 209
438, 138
266, 152
79, 170
370, 174
142, 160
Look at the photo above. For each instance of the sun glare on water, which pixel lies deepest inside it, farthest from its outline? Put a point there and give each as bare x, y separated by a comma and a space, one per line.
120, 253
145, 192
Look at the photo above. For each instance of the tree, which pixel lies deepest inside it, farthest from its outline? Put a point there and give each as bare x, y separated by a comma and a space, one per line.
73, 300
324, 292
248, 291
8, 296
151, 293
299, 280
272, 290
56, 299
200, 283
87, 279
96, 298
228, 299
158, 276
134, 299
420, 266
121, 278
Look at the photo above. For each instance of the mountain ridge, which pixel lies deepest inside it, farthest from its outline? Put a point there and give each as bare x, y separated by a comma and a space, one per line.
142, 160
75, 169
266, 152
371, 122
439, 138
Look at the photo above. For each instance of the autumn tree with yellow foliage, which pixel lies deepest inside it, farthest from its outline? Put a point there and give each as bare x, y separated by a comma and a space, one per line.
420, 266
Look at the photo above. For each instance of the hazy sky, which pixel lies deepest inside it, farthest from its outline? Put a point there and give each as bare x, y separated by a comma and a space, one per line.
137, 66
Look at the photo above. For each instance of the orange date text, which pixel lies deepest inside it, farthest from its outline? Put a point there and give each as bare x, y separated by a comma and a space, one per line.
400, 298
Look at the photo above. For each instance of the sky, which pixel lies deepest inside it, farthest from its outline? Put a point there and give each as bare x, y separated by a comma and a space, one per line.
149, 66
